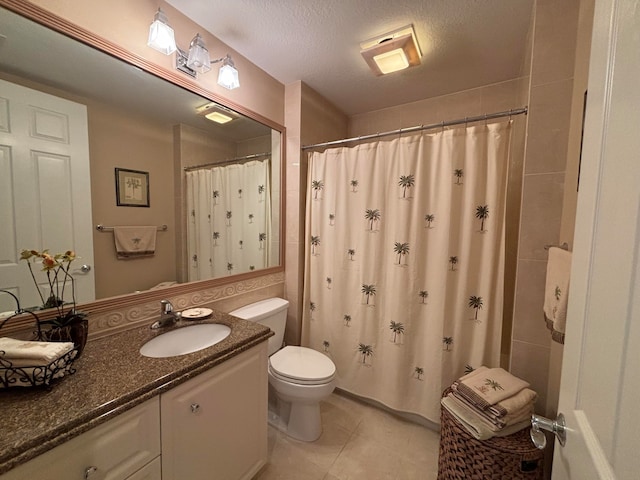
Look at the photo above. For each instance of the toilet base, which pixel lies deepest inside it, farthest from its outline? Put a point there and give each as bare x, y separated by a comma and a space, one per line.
298, 420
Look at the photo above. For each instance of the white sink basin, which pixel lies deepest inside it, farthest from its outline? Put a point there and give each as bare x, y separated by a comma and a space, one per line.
185, 340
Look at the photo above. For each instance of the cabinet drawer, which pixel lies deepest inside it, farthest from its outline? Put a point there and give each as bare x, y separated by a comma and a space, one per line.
115, 449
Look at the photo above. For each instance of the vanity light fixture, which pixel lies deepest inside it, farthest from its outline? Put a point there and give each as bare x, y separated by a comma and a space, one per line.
392, 51
161, 35
196, 60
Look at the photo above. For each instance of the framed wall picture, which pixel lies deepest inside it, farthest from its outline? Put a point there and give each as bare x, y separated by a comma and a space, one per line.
132, 188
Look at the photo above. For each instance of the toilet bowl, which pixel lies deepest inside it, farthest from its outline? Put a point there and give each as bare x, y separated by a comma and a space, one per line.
299, 377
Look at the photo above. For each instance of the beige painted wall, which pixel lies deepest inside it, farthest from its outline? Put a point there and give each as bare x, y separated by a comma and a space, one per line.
117, 139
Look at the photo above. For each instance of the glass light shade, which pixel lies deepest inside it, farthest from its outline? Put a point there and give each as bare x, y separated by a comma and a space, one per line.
228, 75
199, 55
391, 61
218, 117
161, 35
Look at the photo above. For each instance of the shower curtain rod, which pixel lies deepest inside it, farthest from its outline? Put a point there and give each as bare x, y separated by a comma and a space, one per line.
418, 128
228, 161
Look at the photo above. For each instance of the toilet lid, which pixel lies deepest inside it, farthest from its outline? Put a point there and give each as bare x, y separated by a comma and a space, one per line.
302, 364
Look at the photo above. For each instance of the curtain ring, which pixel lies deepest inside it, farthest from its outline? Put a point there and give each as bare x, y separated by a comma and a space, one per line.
442, 126
466, 122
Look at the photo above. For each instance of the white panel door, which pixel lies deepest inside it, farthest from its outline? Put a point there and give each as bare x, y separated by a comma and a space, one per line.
600, 388
45, 190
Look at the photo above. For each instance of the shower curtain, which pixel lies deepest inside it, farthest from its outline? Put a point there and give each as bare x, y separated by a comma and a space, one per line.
404, 262
229, 210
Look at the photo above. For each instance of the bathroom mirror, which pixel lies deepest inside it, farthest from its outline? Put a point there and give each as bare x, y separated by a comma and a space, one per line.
140, 122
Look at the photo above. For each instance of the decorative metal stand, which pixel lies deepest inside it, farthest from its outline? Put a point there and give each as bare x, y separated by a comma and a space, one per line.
36, 375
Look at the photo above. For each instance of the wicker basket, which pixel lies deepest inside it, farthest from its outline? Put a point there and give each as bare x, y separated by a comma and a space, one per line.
464, 457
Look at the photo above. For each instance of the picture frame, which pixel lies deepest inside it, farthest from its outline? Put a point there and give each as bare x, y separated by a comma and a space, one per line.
132, 188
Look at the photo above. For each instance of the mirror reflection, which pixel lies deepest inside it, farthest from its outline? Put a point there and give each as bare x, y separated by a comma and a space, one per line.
71, 117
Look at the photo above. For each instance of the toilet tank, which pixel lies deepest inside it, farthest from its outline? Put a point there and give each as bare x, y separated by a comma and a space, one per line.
271, 312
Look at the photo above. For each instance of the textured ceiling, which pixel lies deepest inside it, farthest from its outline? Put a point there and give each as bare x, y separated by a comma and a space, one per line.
465, 43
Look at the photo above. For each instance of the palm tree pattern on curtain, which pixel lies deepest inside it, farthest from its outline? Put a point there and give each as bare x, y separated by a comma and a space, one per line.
415, 305
230, 219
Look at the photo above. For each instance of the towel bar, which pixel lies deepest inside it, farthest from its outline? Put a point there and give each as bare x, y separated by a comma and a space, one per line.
102, 228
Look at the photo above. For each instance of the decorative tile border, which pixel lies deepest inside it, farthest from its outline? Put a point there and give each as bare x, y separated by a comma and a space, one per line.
122, 318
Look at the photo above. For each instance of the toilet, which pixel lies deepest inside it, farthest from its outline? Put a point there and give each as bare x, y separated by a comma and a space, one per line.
299, 377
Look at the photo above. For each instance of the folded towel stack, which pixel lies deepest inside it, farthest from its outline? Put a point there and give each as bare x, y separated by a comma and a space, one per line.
26, 358
490, 402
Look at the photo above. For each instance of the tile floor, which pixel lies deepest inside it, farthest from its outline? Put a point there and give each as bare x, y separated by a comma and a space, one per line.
358, 442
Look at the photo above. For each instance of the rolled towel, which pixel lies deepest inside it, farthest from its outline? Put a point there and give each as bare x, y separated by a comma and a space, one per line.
490, 387
24, 353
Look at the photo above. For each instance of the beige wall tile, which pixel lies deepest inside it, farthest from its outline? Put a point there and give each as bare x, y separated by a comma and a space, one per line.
531, 363
549, 115
528, 322
293, 217
553, 385
424, 112
501, 96
461, 105
554, 40
541, 214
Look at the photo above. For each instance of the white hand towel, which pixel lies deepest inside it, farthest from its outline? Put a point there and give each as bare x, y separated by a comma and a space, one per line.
557, 291
133, 242
23, 353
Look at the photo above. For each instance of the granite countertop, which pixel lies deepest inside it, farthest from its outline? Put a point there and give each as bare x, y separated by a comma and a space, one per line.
111, 377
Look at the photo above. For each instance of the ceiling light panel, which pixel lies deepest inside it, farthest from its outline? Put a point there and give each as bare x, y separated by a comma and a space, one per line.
392, 51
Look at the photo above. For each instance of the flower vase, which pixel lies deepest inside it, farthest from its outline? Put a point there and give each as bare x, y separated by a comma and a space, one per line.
76, 330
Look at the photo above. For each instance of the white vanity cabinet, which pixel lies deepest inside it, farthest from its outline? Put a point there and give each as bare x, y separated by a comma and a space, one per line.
126, 447
214, 426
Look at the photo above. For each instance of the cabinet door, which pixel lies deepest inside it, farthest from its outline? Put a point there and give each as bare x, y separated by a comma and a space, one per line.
111, 451
150, 471
214, 427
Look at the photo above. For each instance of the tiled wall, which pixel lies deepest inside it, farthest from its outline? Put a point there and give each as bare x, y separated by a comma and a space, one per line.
550, 96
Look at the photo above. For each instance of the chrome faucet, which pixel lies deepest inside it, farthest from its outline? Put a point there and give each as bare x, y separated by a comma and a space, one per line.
167, 315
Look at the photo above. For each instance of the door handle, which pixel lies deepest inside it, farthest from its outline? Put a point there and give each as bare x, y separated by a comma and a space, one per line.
558, 427
84, 269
